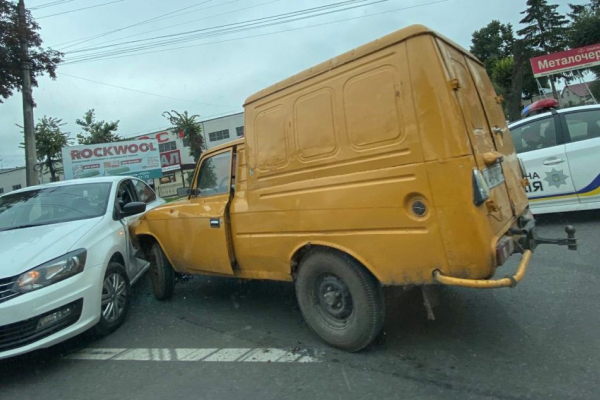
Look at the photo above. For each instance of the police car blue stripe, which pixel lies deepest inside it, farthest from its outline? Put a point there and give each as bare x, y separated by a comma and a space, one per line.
595, 184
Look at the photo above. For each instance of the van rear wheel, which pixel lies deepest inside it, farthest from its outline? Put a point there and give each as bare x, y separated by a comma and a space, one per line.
339, 299
161, 274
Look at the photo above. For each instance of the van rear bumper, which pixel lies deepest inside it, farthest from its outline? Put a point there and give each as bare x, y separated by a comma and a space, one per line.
509, 281
521, 238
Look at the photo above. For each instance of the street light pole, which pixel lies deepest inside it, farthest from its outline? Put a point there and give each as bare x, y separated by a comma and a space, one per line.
30, 152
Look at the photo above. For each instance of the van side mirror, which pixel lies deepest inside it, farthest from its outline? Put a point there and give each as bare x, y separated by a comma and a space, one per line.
133, 208
183, 191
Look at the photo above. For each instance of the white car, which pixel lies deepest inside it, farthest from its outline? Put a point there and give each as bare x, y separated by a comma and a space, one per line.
67, 261
561, 153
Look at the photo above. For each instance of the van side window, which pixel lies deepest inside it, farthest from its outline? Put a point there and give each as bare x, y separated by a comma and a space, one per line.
538, 134
583, 125
215, 175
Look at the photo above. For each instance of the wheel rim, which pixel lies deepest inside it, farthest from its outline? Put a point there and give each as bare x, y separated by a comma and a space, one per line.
114, 297
333, 300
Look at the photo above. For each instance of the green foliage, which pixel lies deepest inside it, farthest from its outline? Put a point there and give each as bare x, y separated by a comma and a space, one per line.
585, 27
191, 128
492, 43
545, 28
96, 131
49, 141
42, 61
595, 89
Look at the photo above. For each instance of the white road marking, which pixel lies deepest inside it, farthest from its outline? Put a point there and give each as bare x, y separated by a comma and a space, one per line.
265, 355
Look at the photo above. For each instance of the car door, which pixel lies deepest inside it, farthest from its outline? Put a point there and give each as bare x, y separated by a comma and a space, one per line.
143, 193
126, 194
583, 152
204, 242
540, 145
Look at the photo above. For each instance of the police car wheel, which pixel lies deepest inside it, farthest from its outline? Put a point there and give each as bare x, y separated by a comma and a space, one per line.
162, 274
339, 299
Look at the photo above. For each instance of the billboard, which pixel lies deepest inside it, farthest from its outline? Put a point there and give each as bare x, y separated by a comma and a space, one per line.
139, 158
170, 160
579, 58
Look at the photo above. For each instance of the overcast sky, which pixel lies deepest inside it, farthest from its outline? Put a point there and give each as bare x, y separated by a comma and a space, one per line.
210, 78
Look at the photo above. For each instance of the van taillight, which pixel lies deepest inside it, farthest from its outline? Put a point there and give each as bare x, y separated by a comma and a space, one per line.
481, 191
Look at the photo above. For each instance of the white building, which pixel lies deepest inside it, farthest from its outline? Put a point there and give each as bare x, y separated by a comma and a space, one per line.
16, 178
12, 179
177, 163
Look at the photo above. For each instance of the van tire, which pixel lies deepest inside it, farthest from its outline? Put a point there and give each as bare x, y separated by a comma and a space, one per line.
339, 299
162, 274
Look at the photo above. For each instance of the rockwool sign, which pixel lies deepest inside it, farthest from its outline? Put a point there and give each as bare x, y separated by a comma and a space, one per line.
579, 58
138, 158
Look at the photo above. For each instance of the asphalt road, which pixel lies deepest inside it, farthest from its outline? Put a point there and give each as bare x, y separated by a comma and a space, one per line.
540, 340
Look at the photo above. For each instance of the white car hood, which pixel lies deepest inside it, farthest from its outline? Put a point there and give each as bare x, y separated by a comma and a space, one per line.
26, 248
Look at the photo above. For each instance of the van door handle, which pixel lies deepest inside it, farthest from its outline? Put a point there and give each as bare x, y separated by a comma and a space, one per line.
553, 161
215, 222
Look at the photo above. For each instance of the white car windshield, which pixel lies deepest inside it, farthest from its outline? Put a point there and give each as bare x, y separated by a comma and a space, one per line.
52, 205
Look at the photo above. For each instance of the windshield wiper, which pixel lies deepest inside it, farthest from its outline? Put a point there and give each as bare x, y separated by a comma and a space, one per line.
21, 226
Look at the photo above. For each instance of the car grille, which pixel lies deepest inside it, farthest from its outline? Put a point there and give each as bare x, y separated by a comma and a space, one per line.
25, 332
6, 285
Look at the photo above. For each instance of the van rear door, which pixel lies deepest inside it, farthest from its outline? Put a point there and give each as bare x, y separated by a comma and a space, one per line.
501, 135
501, 210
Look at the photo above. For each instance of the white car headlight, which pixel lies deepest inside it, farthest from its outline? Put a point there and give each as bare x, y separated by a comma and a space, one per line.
51, 272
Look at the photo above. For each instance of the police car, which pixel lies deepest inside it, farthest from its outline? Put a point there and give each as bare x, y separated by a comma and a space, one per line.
560, 150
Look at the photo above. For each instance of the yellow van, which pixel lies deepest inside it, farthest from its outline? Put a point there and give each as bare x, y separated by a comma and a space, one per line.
389, 165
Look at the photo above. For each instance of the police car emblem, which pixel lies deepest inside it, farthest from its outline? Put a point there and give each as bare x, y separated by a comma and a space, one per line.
556, 178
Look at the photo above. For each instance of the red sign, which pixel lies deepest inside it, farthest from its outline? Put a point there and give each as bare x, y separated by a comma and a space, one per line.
170, 158
160, 136
579, 58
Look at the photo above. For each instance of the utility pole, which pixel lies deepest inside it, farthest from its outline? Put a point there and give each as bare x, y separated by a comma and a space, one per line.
30, 152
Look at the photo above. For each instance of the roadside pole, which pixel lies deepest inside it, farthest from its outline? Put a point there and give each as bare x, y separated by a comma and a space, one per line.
30, 151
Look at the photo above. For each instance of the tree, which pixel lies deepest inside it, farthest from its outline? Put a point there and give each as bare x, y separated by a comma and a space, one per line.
545, 29
49, 141
492, 43
595, 89
495, 46
191, 128
43, 61
96, 131
585, 27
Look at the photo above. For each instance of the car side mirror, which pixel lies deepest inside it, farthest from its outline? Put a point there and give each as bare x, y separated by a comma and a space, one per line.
183, 191
133, 208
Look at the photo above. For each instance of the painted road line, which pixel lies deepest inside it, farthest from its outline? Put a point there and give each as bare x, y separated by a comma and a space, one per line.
265, 355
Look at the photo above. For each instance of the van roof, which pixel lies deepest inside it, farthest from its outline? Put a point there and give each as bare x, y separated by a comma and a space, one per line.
364, 50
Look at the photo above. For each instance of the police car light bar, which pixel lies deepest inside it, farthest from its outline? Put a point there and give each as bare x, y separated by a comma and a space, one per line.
539, 106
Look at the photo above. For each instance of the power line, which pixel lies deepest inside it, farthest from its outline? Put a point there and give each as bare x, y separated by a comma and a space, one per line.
159, 17
220, 30
80, 9
237, 24
142, 92
50, 4
262, 34
192, 21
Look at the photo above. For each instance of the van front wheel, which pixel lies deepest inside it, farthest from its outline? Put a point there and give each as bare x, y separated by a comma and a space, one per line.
162, 274
339, 299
